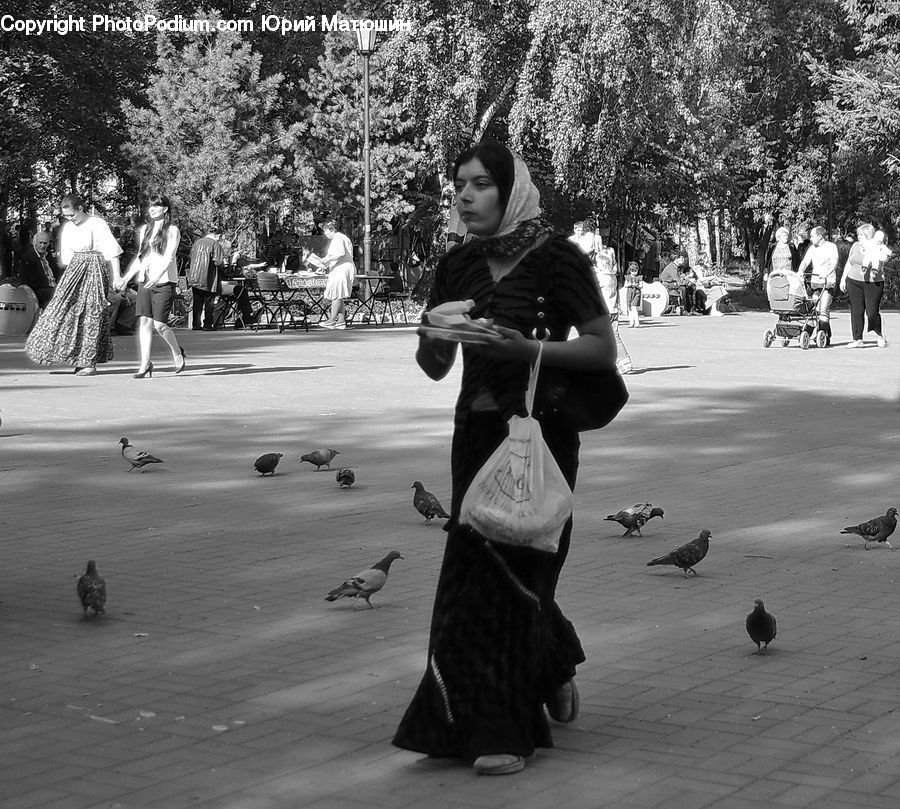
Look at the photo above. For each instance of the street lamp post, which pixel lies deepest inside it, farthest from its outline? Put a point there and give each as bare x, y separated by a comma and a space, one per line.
365, 44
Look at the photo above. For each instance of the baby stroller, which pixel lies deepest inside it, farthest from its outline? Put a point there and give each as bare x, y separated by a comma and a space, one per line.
796, 312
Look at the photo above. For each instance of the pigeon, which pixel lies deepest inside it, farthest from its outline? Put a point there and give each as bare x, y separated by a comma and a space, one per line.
365, 583
687, 555
427, 504
136, 457
265, 464
345, 477
761, 626
92, 591
320, 457
878, 529
634, 518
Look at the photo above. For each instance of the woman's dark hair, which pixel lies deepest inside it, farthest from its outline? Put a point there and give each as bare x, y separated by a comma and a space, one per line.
162, 235
497, 160
71, 201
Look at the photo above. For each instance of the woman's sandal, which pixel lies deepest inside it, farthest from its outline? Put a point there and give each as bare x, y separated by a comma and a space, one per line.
563, 705
499, 764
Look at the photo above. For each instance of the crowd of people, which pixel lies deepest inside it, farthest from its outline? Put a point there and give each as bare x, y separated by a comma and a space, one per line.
91, 281
853, 267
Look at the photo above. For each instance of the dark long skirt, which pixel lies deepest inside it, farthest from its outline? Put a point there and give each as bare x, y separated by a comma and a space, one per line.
74, 328
499, 645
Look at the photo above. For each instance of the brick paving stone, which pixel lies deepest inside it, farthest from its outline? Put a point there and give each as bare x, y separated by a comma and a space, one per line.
217, 577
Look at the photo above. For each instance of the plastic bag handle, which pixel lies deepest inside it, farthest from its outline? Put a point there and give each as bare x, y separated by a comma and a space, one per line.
532, 380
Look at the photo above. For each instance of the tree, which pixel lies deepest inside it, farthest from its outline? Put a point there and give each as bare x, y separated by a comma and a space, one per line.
209, 137
330, 138
862, 111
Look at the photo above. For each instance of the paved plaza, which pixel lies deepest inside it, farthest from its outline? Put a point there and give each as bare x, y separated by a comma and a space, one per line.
221, 679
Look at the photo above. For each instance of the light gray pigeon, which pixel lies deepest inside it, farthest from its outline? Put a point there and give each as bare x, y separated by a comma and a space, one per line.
688, 555
634, 518
878, 529
365, 583
265, 464
92, 591
136, 457
427, 504
320, 457
345, 477
761, 626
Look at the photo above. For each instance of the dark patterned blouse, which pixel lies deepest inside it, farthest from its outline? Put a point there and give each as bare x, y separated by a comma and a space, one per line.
574, 299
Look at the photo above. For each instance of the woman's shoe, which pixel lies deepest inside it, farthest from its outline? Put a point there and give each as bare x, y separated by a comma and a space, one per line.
855, 344
89, 371
499, 764
326, 324
148, 371
181, 367
563, 706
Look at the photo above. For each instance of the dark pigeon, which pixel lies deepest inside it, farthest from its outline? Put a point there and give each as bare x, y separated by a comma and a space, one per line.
687, 555
265, 464
761, 626
427, 504
92, 591
345, 477
878, 529
320, 457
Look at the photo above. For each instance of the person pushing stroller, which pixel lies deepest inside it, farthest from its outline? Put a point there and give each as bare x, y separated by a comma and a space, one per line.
821, 258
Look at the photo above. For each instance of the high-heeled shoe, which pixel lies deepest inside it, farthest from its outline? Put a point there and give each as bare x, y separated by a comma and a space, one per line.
183, 365
148, 371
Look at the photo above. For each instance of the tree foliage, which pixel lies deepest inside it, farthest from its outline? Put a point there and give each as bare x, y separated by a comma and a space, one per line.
208, 136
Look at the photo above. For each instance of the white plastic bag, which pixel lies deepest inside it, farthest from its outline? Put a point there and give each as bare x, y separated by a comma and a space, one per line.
520, 497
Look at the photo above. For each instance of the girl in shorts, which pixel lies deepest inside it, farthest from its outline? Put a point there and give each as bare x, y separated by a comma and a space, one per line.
157, 274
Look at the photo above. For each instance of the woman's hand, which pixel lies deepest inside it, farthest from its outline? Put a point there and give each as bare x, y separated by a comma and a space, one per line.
511, 345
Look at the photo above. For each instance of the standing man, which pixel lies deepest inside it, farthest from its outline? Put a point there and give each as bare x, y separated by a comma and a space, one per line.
207, 258
37, 271
822, 256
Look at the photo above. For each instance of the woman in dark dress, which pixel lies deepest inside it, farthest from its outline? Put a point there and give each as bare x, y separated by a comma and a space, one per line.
500, 648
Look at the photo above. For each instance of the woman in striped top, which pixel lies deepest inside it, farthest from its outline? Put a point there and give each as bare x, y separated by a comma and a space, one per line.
500, 648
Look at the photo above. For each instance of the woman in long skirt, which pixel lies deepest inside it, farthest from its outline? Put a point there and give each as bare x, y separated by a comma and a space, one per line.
500, 648
73, 329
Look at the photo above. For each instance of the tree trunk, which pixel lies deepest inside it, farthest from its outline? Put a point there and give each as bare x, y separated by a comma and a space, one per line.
724, 238
713, 239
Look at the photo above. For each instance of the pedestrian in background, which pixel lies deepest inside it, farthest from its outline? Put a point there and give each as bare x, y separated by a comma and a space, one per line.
338, 259
207, 258
157, 275
822, 259
73, 329
863, 281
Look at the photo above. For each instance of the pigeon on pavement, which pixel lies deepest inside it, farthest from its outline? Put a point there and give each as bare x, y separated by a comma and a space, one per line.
320, 457
688, 555
878, 529
265, 464
427, 504
92, 591
345, 477
761, 626
136, 457
365, 583
634, 518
